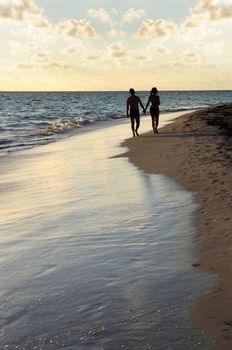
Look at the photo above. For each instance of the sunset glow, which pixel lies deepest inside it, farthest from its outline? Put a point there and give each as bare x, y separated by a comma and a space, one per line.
106, 45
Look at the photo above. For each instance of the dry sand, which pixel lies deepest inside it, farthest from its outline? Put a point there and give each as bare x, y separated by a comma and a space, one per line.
196, 151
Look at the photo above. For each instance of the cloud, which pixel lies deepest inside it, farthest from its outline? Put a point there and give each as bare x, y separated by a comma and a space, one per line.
77, 28
190, 60
215, 9
156, 28
23, 11
216, 48
55, 64
210, 49
193, 21
92, 58
114, 33
140, 57
161, 49
72, 49
17, 11
100, 14
39, 21
25, 65
191, 57
76, 46
132, 14
117, 49
43, 60
42, 57
19, 48
209, 11
114, 11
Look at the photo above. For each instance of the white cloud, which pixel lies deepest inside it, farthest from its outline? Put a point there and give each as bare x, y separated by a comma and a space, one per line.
193, 21
27, 5
42, 60
216, 48
42, 57
161, 49
76, 46
132, 14
55, 64
114, 33
114, 11
215, 9
39, 21
210, 49
18, 48
191, 57
92, 57
77, 28
190, 60
23, 11
25, 65
140, 57
16, 10
209, 11
156, 28
72, 49
117, 49
100, 14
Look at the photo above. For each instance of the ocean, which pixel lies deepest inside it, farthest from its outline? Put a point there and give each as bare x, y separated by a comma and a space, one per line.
29, 119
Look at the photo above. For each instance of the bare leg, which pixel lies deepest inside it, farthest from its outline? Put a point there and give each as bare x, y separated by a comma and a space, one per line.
153, 122
157, 121
137, 125
133, 126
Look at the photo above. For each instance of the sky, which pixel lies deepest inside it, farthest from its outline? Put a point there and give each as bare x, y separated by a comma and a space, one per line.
106, 45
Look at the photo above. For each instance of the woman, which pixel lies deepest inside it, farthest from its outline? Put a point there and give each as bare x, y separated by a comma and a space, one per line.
154, 110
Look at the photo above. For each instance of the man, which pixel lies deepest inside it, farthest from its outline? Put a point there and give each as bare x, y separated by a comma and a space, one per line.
133, 103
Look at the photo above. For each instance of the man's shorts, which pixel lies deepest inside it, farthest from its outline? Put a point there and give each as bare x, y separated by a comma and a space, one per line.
134, 113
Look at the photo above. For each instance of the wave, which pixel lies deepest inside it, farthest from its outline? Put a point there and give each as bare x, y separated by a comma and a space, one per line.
23, 144
45, 132
65, 125
182, 109
62, 126
5, 142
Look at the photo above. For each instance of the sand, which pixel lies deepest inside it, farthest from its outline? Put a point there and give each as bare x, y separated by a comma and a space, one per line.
84, 261
196, 151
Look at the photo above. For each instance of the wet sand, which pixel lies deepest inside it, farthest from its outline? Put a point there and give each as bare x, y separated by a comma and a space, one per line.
94, 253
196, 151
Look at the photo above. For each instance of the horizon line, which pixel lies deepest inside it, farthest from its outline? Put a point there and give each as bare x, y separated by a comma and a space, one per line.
84, 91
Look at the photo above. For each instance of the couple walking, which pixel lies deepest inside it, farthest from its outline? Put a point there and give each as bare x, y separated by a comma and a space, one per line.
133, 103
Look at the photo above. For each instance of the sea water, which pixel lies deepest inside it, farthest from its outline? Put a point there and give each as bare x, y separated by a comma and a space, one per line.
95, 254
29, 119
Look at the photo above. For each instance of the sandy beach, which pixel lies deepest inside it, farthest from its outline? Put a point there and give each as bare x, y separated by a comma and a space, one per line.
196, 151
94, 252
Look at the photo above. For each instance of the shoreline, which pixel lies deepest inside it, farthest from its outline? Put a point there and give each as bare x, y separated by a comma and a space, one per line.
196, 151
91, 227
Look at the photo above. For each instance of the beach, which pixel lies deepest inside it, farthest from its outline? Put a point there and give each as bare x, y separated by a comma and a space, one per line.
115, 235
195, 150
95, 253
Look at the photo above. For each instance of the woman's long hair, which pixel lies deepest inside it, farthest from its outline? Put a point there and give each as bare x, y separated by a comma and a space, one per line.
154, 91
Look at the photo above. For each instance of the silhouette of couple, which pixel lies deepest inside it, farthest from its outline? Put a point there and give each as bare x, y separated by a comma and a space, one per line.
133, 103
